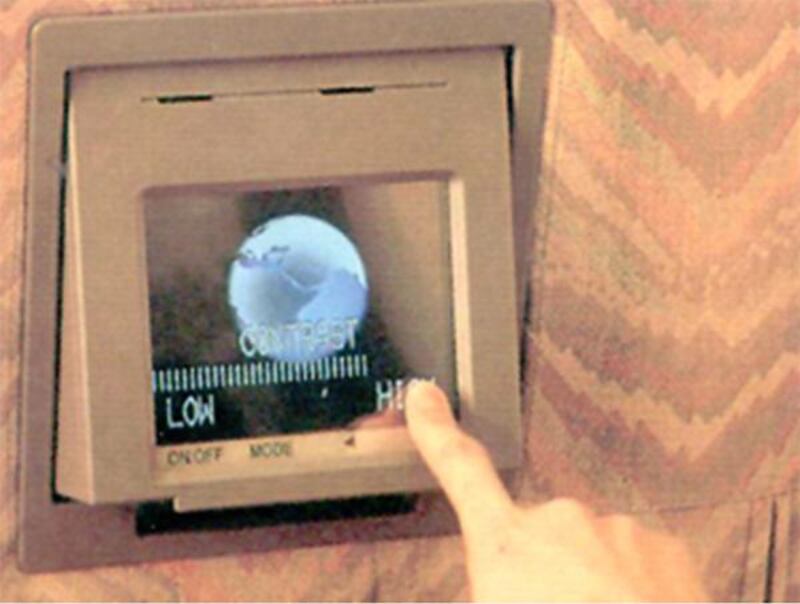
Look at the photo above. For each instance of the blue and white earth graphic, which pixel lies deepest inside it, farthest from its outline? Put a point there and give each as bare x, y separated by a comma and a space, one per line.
298, 289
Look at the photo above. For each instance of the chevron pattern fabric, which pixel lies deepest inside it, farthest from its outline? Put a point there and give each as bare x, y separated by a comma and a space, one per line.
663, 366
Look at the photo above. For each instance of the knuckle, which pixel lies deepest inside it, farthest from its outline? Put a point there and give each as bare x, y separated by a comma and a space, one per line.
622, 523
568, 508
623, 529
677, 547
621, 519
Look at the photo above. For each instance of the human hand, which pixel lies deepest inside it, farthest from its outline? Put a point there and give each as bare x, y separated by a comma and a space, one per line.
556, 551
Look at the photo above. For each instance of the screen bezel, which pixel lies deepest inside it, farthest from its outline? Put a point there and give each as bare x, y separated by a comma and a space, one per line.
188, 145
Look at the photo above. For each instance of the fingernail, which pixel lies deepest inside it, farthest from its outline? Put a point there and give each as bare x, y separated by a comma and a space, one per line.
425, 399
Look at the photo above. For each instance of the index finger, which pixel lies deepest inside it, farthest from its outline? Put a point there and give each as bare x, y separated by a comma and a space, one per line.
458, 461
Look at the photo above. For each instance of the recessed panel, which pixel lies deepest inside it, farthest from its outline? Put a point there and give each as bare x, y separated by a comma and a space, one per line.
166, 261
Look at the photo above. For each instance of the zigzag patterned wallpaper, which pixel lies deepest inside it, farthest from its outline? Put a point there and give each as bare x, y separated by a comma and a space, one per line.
663, 338
664, 372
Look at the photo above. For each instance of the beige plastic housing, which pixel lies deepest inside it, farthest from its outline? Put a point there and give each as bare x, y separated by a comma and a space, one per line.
267, 124
63, 420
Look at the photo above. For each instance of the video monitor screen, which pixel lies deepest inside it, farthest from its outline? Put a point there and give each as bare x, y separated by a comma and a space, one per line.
293, 311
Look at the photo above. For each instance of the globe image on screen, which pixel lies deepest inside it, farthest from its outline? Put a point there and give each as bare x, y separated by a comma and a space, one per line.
298, 290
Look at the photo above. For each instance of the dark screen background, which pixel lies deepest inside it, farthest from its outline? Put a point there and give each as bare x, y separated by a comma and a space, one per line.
206, 389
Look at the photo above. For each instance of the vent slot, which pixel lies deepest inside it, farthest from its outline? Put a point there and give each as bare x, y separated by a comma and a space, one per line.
184, 98
175, 99
347, 90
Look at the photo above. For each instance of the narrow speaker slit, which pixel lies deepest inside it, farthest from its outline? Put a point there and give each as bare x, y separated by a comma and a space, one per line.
347, 90
184, 98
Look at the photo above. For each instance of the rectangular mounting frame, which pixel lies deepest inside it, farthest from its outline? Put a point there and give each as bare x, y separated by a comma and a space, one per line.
253, 137
56, 534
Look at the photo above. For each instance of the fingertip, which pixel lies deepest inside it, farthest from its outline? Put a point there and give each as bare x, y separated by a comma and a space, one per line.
459, 462
430, 421
426, 403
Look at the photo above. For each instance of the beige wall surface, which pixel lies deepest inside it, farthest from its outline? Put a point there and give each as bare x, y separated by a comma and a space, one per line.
663, 342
